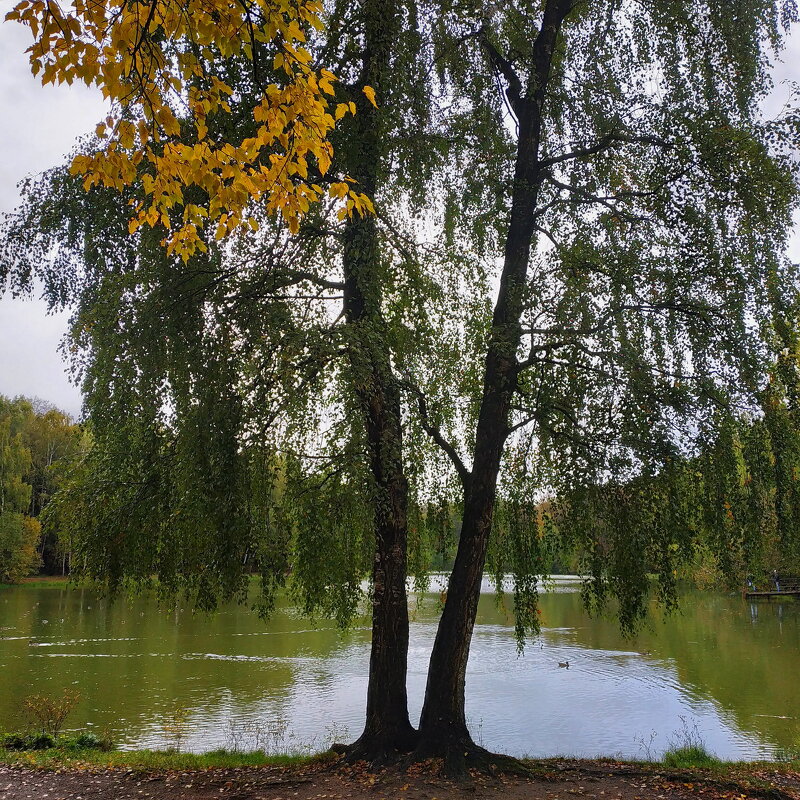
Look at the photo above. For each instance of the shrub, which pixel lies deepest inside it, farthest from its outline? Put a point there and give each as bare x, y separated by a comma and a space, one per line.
89, 741
50, 712
44, 741
13, 741
29, 741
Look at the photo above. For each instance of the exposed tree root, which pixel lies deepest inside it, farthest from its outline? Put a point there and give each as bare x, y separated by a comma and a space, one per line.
460, 755
379, 750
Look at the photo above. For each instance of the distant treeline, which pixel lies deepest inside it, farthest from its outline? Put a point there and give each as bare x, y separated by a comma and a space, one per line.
729, 512
38, 446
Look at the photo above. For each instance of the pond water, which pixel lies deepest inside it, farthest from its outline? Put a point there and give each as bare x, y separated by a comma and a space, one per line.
724, 670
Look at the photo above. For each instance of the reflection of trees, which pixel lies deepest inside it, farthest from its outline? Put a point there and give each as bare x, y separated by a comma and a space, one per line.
145, 668
744, 659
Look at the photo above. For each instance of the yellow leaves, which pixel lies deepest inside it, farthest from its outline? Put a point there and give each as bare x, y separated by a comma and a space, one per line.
149, 57
126, 133
338, 190
355, 202
344, 108
369, 93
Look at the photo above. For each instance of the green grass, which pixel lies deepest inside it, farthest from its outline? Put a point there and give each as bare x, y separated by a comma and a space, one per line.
153, 760
150, 759
688, 757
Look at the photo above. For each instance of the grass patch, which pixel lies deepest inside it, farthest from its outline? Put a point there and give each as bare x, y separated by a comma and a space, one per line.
152, 759
689, 756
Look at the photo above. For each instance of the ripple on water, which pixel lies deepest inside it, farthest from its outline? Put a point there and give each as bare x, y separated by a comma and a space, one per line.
257, 659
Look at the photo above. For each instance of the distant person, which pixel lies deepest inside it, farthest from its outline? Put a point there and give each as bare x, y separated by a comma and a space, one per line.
775, 580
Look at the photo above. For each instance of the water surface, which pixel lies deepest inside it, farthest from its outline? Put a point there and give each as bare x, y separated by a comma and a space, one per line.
724, 670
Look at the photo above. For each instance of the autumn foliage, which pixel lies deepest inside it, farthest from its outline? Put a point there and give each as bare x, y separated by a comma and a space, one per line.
154, 63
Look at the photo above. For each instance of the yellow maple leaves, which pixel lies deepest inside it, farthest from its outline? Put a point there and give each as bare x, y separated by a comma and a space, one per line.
153, 60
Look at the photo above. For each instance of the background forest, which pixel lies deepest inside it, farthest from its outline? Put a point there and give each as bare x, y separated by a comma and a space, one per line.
39, 447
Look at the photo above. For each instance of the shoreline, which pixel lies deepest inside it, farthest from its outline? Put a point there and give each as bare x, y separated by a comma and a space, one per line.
161, 775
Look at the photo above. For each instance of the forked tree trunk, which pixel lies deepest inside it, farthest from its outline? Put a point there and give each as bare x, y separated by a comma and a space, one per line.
388, 729
443, 730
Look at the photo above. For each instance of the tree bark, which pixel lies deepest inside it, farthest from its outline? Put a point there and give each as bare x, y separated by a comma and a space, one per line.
443, 729
388, 729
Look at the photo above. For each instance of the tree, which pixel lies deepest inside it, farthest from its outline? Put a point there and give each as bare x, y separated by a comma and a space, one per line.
41, 445
265, 314
19, 534
664, 204
606, 355
55, 443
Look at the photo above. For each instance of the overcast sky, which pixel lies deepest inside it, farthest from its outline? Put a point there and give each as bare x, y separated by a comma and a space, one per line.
40, 125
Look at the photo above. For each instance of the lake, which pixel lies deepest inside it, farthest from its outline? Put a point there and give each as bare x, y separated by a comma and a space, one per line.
724, 670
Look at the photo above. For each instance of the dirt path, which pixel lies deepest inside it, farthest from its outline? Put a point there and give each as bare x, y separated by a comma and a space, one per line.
561, 780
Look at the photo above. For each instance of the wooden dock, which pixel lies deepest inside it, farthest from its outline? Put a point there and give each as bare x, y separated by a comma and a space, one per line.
773, 593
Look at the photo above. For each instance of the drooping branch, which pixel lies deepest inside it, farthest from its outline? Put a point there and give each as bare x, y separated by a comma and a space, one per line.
435, 432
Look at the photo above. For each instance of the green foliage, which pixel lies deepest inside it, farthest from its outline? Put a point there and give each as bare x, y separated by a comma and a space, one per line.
15, 459
687, 750
688, 757
28, 741
19, 534
88, 741
38, 446
19, 537
149, 760
21, 742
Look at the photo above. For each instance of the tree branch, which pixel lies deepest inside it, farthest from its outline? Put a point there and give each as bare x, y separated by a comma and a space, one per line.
604, 143
505, 68
436, 434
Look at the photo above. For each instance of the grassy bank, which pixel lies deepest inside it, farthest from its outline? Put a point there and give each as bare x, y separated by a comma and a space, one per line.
57, 758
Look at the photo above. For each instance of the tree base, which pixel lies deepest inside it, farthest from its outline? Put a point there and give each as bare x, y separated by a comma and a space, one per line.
459, 755
379, 749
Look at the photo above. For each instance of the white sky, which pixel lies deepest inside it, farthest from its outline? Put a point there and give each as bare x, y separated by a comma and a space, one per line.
39, 126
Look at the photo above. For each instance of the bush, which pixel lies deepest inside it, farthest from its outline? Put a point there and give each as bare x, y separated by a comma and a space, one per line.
44, 741
12, 741
88, 741
28, 741
50, 712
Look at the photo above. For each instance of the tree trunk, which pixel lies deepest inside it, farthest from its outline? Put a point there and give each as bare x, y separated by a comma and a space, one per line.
443, 729
388, 729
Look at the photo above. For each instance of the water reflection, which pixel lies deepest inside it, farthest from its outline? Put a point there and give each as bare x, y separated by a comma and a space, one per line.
723, 665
